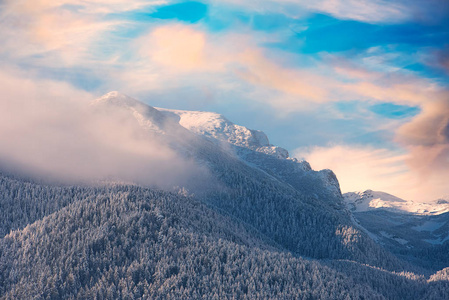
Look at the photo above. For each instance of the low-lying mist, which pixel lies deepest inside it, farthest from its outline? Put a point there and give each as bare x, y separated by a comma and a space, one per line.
52, 132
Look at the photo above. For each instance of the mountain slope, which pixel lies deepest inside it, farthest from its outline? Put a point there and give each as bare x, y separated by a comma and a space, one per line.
129, 242
132, 242
253, 147
283, 198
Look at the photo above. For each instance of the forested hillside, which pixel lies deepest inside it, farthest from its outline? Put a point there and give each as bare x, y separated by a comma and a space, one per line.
130, 242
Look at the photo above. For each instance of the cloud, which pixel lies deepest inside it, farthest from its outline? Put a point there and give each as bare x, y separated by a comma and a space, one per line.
60, 32
259, 70
443, 59
369, 11
423, 138
171, 56
90, 6
427, 138
332, 80
177, 55
178, 47
49, 130
438, 59
430, 128
360, 168
174, 56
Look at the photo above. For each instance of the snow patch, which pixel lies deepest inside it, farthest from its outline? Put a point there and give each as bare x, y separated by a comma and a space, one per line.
429, 226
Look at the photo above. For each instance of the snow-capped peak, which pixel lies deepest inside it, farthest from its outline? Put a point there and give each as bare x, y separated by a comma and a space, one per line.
207, 124
118, 99
147, 116
216, 126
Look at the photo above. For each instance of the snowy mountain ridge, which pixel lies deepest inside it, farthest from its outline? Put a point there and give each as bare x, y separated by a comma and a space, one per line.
373, 200
216, 126
180, 128
207, 124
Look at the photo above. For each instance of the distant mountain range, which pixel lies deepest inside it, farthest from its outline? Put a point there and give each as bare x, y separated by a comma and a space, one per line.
409, 229
373, 200
256, 224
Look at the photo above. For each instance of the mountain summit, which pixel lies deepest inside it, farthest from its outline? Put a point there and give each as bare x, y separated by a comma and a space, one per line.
216, 126
147, 116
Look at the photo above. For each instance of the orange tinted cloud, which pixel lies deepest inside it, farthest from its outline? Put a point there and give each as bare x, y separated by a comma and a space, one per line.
181, 49
176, 46
261, 71
427, 138
66, 28
360, 168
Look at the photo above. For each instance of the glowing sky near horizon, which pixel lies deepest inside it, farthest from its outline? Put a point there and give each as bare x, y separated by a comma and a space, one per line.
359, 87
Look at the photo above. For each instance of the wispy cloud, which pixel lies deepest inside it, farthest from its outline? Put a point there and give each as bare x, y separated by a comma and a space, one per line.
60, 33
372, 11
369, 11
427, 138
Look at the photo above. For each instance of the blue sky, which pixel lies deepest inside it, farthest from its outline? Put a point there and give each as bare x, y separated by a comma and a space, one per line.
360, 87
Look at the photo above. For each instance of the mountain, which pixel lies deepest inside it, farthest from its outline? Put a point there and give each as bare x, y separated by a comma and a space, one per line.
411, 229
253, 147
257, 225
218, 128
374, 200
248, 180
301, 209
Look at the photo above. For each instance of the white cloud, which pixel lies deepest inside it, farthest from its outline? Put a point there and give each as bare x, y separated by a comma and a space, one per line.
370, 11
60, 33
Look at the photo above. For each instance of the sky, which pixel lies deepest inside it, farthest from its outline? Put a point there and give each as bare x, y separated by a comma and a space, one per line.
357, 86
